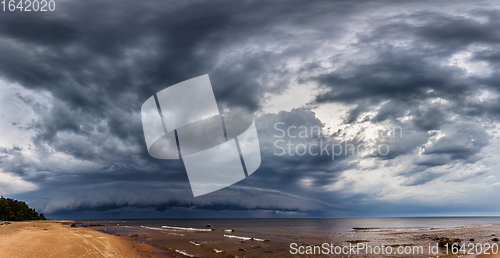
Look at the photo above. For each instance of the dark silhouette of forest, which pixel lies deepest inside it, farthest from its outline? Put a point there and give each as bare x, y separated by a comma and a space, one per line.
14, 210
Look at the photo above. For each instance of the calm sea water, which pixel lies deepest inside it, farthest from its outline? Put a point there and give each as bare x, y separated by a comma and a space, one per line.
280, 233
315, 226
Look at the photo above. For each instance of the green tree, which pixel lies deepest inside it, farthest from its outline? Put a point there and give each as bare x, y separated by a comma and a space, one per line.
15, 210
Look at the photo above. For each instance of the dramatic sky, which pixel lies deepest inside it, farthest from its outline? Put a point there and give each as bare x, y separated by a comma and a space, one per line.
417, 78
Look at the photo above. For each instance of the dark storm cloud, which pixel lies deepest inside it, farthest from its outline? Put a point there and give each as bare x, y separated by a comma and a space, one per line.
415, 81
100, 66
88, 55
286, 172
99, 61
415, 72
459, 32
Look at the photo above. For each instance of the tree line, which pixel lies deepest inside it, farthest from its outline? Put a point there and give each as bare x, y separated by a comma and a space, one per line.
15, 210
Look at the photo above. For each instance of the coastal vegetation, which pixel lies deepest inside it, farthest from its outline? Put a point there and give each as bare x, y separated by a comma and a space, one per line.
14, 210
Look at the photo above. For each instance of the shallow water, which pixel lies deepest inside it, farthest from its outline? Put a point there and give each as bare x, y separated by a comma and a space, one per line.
245, 237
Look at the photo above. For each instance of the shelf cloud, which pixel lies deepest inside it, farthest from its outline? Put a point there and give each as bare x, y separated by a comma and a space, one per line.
73, 82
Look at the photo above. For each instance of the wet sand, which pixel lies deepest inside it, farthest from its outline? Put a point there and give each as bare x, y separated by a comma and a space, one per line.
187, 242
54, 239
217, 243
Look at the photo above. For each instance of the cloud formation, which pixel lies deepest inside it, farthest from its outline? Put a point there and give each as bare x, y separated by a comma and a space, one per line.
418, 77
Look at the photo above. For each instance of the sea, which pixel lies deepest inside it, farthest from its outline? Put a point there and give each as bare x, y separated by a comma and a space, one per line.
332, 237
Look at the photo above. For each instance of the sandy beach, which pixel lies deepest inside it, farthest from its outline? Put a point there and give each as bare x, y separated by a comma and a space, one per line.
224, 238
54, 239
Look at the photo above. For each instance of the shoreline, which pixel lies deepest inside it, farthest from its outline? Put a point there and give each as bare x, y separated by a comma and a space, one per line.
268, 238
56, 238
128, 238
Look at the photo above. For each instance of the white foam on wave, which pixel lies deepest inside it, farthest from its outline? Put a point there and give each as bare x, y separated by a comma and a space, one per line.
375, 230
238, 237
218, 251
188, 229
174, 234
153, 228
164, 230
245, 238
184, 253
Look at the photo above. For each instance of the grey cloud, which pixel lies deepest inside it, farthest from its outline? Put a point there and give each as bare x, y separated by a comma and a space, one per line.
99, 67
460, 142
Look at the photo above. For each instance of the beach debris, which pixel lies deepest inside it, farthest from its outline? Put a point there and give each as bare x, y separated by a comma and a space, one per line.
446, 242
242, 249
93, 225
218, 251
73, 225
209, 226
443, 241
472, 239
357, 241
364, 229
195, 242
130, 235
431, 237
495, 239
